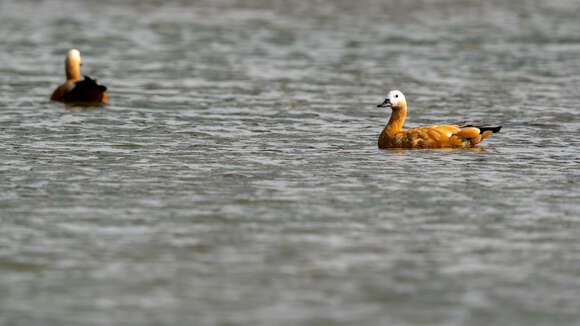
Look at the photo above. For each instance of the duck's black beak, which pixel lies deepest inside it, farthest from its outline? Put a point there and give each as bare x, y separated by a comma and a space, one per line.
385, 104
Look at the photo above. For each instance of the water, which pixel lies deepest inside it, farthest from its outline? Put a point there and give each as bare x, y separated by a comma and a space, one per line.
199, 196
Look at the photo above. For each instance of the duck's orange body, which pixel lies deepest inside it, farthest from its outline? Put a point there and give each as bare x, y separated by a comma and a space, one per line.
437, 136
75, 90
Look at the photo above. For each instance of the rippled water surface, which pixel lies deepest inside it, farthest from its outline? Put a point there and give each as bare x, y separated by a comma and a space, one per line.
203, 195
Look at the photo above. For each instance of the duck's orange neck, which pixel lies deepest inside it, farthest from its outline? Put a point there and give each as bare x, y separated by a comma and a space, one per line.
72, 70
396, 121
395, 125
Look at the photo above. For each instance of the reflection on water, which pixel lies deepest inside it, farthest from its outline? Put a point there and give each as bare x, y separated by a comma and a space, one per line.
478, 148
78, 106
200, 195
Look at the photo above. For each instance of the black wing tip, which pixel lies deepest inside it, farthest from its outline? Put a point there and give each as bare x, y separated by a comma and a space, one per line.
481, 127
93, 82
89, 79
493, 129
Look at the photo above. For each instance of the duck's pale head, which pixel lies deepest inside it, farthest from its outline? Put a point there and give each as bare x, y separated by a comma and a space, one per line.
72, 64
394, 100
73, 57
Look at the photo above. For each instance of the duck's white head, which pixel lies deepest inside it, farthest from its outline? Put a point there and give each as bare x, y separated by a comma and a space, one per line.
395, 100
72, 64
74, 56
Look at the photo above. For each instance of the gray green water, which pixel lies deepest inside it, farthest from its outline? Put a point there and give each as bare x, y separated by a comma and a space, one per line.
197, 196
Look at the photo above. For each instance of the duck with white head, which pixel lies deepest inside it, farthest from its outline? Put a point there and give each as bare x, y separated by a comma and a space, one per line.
75, 90
461, 135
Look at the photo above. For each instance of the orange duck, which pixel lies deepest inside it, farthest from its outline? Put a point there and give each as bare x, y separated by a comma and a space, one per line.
75, 90
461, 135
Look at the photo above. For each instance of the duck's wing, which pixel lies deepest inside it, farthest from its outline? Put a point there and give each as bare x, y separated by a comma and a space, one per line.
436, 136
86, 90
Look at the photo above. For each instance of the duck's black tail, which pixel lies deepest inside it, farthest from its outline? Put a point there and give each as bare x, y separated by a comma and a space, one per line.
493, 129
481, 127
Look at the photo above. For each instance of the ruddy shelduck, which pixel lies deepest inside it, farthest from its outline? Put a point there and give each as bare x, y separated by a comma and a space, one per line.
75, 90
461, 135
